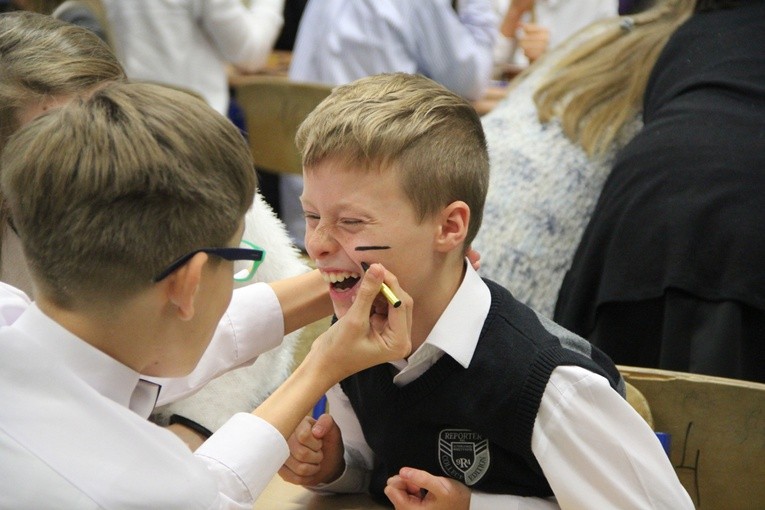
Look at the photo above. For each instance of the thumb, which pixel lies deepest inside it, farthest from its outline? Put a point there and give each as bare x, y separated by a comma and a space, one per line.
322, 426
368, 290
425, 480
510, 23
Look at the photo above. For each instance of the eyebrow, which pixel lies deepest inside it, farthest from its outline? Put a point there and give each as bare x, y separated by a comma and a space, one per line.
368, 248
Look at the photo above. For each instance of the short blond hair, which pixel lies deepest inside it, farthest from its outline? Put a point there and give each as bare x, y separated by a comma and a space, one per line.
410, 124
108, 190
597, 88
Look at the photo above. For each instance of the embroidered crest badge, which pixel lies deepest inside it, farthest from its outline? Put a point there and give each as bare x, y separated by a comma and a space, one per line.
463, 455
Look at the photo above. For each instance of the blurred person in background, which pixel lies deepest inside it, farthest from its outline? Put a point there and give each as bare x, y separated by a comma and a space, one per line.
340, 41
189, 43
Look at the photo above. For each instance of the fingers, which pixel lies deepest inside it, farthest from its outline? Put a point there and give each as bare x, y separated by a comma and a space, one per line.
414, 488
513, 16
394, 327
305, 453
400, 494
399, 319
474, 257
534, 41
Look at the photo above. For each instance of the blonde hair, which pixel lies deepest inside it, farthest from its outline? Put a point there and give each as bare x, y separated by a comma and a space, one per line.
598, 86
410, 124
108, 190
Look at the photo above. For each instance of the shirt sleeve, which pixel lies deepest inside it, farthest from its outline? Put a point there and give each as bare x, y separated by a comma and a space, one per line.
597, 452
244, 36
358, 455
252, 325
243, 456
457, 48
485, 501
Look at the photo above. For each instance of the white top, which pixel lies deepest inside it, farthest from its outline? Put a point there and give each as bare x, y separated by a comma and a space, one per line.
73, 432
339, 41
188, 43
593, 447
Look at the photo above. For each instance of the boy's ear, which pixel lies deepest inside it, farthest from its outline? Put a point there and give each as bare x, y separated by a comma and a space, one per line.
452, 230
183, 284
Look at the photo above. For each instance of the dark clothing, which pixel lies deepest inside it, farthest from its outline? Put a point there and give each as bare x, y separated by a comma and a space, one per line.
475, 424
293, 11
683, 212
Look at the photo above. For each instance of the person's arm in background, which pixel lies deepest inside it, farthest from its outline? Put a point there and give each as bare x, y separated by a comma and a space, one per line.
533, 38
244, 36
456, 48
513, 16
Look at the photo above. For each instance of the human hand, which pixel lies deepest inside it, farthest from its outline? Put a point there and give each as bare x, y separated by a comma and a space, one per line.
534, 40
513, 16
474, 257
417, 489
316, 452
372, 331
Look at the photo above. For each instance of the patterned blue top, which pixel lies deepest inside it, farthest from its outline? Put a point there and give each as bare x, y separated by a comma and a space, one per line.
542, 191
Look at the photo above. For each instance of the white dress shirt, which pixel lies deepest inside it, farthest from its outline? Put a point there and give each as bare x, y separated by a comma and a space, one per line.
73, 428
189, 42
594, 449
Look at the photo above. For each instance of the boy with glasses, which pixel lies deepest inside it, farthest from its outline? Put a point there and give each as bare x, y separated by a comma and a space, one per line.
130, 207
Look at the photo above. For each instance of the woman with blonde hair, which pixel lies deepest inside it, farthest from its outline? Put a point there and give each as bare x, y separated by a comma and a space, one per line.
670, 272
552, 142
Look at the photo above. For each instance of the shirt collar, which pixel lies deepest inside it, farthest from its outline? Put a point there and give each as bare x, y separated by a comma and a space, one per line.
103, 373
457, 331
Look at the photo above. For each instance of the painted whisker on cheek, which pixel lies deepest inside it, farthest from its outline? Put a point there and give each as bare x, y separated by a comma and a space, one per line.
369, 248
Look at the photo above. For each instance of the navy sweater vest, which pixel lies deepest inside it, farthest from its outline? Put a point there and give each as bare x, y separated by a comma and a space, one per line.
474, 424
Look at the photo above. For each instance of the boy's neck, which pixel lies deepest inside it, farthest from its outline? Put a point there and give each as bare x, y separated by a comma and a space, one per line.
428, 310
125, 340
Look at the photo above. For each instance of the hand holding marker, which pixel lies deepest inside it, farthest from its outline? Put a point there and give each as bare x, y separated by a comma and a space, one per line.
385, 290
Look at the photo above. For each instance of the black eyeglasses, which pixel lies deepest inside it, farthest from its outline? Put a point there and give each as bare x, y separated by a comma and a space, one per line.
253, 254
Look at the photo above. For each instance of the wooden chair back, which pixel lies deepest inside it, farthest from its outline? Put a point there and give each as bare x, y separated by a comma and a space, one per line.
273, 108
717, 429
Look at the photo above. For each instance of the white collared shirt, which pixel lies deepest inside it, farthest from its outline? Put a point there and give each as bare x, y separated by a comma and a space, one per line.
73, 432
594, 449
189, 42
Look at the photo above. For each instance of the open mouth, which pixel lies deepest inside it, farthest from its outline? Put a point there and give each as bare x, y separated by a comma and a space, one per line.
342, 281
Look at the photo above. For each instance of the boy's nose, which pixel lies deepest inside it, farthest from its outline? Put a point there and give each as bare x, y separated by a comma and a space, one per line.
319, 242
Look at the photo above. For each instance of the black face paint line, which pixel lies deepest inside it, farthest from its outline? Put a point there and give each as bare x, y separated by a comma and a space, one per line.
369, 248
385, 290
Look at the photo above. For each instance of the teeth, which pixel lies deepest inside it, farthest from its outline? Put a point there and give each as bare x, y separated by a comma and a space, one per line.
338, 277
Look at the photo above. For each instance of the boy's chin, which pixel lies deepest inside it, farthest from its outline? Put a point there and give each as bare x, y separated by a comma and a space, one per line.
340, 309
